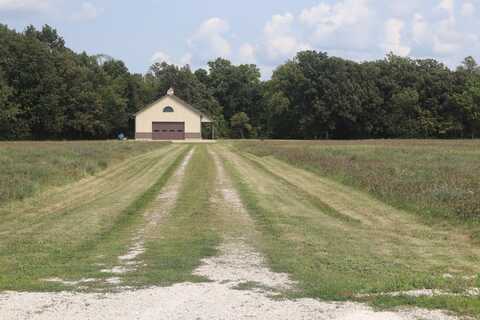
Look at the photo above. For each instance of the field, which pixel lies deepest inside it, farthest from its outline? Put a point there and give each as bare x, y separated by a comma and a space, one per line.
432, 178
27, 168
384, 223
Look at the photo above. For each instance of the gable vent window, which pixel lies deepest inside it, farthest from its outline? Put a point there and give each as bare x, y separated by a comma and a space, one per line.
168, 109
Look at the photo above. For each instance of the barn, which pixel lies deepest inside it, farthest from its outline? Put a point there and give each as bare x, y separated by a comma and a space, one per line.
169, 118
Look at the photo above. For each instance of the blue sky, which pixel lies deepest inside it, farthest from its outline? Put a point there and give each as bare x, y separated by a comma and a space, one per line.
265, 32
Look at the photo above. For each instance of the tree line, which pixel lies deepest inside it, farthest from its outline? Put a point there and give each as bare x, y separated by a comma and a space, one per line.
47, 91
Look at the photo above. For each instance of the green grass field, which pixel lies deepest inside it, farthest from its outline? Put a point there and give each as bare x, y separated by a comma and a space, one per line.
64, 231
430, 177
339, 243
31, 167
348, 221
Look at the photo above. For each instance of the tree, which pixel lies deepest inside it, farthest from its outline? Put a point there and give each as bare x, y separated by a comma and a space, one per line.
9, 126
469, 65
404, 113
48, 91
202, 76
323, 97
468, 104
284, 95
240, 123
47, 35
236, 88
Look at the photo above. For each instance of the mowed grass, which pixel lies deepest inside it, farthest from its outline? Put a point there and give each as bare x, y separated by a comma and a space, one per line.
436, 179
342, 244
70, 232
461, 305
337, 237
30, 167
187, 234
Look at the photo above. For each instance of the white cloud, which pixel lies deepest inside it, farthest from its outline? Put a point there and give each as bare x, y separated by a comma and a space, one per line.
280, 41
317, 14
444, 46
402, 8
24, 5
447, 40
161, 56
186, 59
247, 53
393, 37
210, 39
87, 12
279, 24
420, 29
353, 29
468, 9
327, 19
449, 7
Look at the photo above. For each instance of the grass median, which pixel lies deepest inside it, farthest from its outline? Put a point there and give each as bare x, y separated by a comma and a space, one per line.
187, 234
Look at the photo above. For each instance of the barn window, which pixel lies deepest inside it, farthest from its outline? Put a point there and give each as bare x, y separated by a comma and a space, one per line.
168, 109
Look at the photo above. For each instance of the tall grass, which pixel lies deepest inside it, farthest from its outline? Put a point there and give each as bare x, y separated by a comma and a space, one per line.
30, 167
433, 178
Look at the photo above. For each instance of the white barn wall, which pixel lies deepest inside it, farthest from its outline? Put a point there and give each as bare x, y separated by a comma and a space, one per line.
143, 120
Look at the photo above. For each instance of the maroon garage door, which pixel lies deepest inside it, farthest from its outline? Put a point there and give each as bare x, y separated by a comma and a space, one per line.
168, 130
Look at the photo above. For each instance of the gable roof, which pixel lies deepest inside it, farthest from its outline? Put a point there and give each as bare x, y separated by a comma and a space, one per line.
181, 101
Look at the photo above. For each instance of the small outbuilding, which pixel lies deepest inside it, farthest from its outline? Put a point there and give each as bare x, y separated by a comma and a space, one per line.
169, 118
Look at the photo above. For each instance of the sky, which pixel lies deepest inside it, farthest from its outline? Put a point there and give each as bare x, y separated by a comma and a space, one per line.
264, 32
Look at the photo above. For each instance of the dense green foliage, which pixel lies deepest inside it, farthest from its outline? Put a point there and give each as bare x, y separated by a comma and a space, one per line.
49, 91
317, 96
